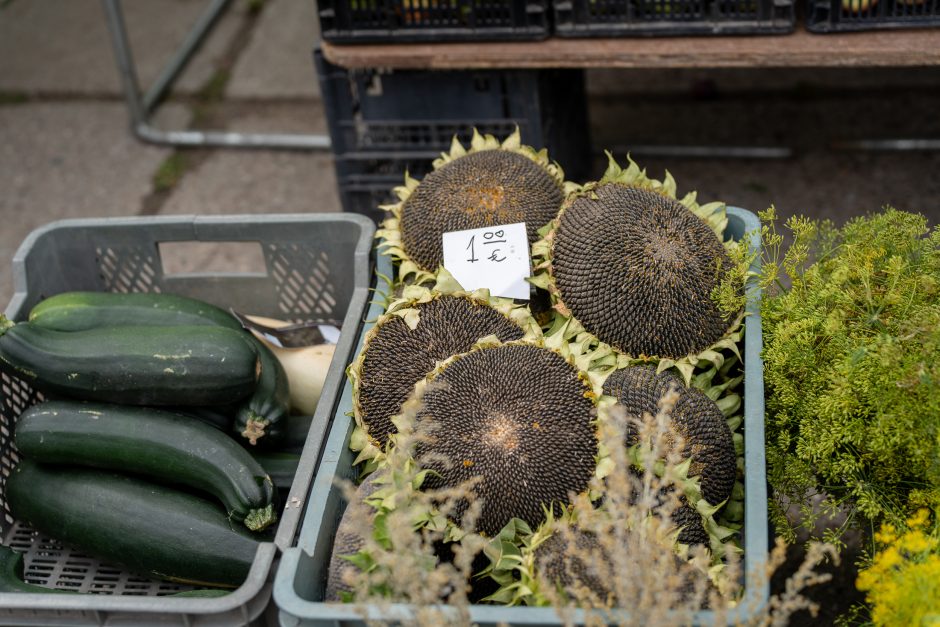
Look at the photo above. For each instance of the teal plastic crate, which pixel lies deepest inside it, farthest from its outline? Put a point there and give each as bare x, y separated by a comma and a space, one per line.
301, 579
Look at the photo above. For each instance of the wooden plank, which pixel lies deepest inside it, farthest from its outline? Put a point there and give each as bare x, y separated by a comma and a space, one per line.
800, 49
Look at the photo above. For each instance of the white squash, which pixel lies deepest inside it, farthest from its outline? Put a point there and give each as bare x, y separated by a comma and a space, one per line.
306, 368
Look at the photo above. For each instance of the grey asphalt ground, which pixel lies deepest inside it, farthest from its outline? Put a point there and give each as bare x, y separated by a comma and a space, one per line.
66, 151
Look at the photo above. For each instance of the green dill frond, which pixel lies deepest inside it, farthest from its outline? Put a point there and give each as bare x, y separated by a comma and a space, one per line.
852, 366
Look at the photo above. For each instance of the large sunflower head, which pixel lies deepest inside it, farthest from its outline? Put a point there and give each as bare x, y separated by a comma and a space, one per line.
488, 184
634, 267
519, 418
419, 330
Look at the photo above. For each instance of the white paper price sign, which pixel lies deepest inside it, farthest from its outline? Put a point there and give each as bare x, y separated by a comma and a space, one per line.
494, 257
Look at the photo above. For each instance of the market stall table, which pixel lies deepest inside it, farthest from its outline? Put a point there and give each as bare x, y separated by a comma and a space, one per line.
800, 49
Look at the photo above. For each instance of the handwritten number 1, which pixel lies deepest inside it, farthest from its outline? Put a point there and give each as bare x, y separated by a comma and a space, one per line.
470, 248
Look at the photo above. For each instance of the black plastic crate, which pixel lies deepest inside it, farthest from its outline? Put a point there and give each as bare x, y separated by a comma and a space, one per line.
365, 183
829, 16
362, 21
627, 18
383, 123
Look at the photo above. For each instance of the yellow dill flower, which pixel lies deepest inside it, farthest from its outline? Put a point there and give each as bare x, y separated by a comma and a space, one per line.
918, 520
886, 535
916, 542
902, 584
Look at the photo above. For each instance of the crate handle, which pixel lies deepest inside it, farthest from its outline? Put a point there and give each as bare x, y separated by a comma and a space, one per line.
201, 257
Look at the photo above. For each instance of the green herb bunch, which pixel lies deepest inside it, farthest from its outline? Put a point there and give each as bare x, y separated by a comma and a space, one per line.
852, 368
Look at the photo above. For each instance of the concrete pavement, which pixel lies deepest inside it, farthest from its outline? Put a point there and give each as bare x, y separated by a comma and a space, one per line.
65, 147
65, 150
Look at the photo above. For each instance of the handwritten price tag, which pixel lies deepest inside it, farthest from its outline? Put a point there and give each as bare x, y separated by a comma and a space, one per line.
495, 257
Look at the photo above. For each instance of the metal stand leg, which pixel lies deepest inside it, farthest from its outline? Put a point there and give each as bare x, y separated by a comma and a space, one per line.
706, 152
889, 145
141, 108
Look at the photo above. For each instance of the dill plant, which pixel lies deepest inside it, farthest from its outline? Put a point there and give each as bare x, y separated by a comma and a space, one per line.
852, 368
902, 583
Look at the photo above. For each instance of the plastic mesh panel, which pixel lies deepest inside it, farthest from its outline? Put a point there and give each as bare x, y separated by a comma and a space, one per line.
49, 563
669, 10
417, 136
444, 20
131, 269
422, 15
898, 11
580, 18
16, 397
304, 281
845, 15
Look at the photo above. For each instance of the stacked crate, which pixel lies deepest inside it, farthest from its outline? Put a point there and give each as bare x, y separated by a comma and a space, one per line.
362, 21
827, 16
384, 123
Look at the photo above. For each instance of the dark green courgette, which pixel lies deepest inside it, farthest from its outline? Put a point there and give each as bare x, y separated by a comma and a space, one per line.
79, 311
170, 448
149, 528
11, 575
186, 365
264, 414
219, 417
281, 467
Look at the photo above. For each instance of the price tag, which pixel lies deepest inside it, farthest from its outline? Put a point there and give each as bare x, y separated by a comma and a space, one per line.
494, 257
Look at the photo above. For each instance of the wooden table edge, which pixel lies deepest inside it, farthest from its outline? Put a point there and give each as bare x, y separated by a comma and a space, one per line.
906, 48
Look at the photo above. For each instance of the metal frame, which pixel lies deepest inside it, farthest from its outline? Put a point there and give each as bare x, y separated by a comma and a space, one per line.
888, 145
142, 107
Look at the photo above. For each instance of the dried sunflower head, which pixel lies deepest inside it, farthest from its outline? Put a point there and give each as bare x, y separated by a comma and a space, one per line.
419, 330
634, 268
488, 184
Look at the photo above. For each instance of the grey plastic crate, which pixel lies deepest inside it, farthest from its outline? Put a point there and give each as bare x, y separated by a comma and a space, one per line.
315, 267
301, 578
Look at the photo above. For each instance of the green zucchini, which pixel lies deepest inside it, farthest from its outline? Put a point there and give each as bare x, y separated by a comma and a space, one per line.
264, 414
79, 311
186, 365
218, 417
11, 575
170, 448
150, 529
280, 466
